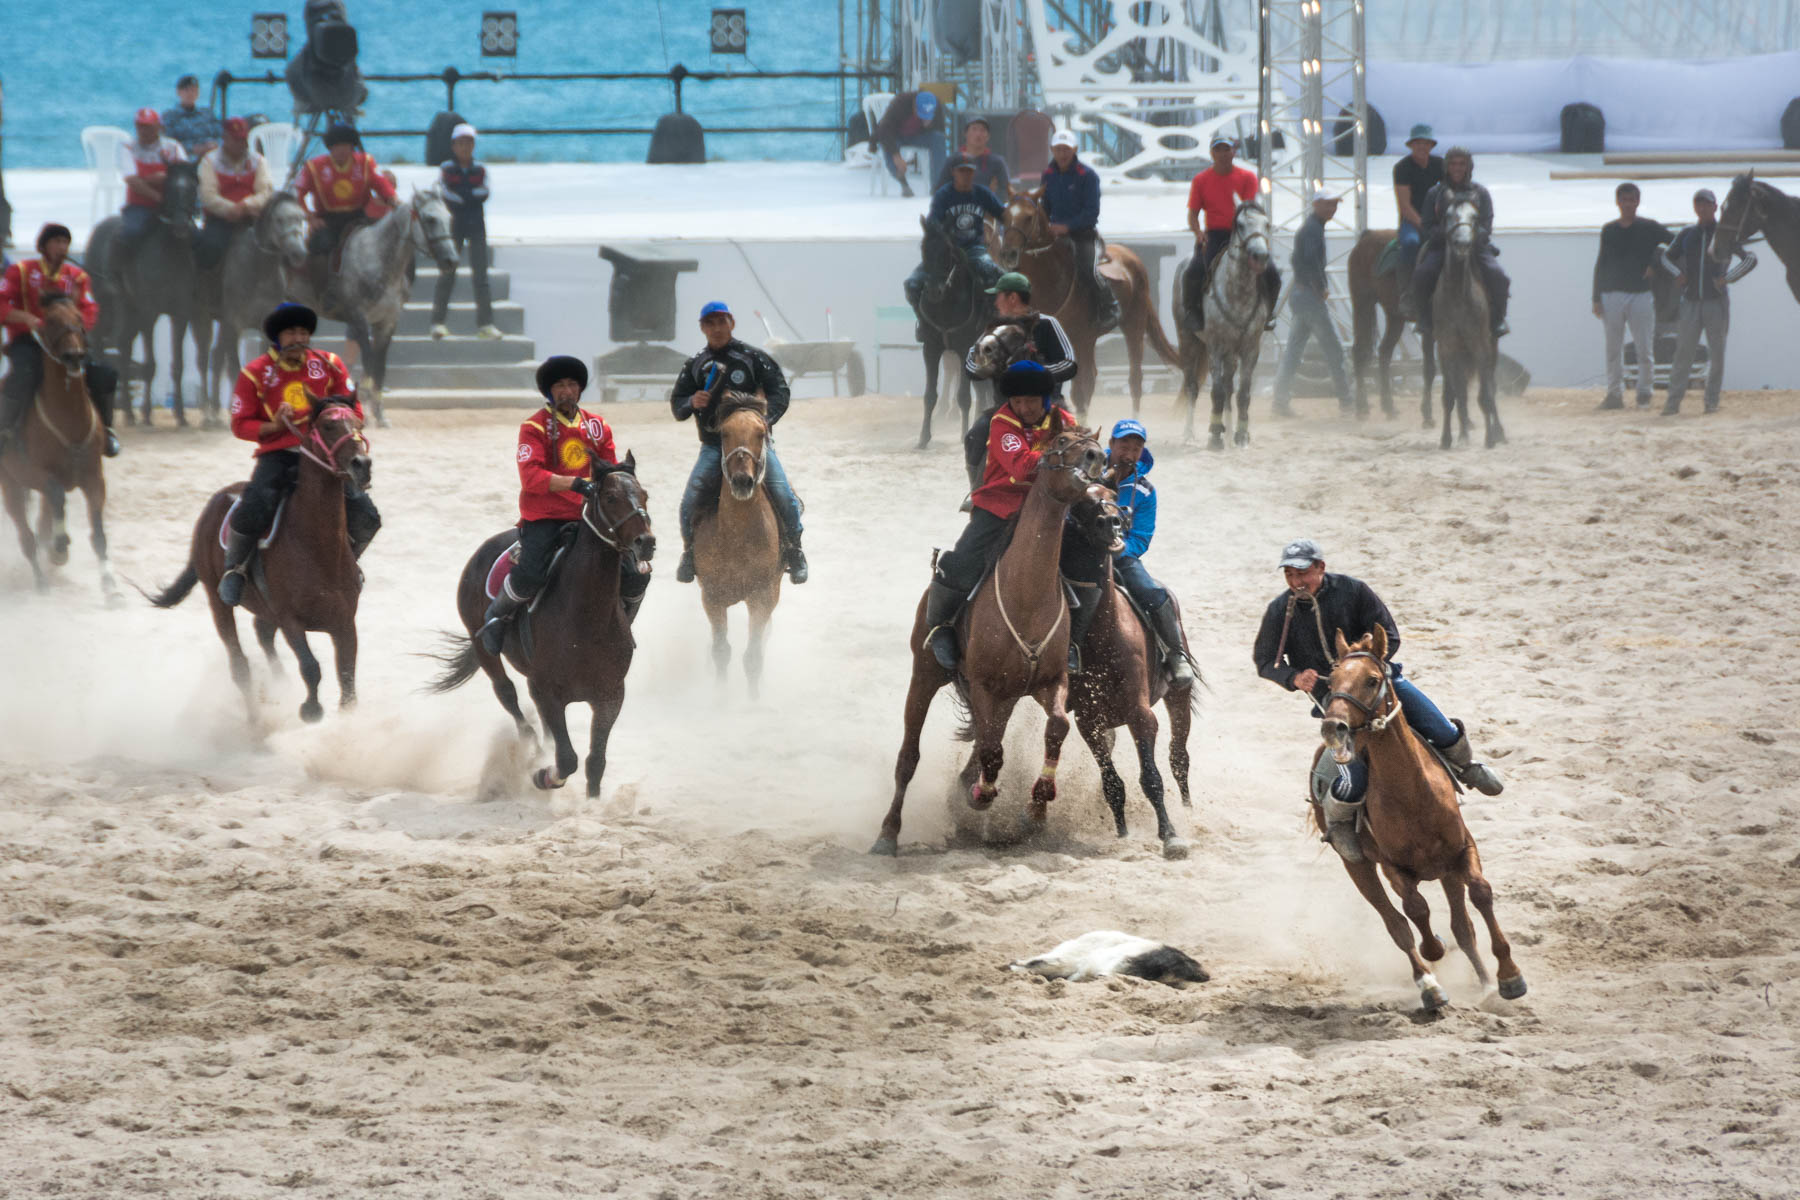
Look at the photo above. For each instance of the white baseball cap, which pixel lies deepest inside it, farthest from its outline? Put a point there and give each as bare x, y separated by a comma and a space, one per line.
1064, 137
464, 130
1324, 194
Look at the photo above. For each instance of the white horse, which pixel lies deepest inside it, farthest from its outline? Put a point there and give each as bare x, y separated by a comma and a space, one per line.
1236, 318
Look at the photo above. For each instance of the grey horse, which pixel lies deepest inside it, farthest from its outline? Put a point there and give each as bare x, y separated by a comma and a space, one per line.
256, 274
369, 288
1236, 317
1461, 326
158, 280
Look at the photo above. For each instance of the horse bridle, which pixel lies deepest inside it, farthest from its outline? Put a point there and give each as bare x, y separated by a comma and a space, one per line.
609, 536
1737, 228
315, 437
1047, 464
431, 240
1377, 721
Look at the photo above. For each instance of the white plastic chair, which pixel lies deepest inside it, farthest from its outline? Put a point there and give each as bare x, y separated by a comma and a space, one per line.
100, 146
874, 107
276, 141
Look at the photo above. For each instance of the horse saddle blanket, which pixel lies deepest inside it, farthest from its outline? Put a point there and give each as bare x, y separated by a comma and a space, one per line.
509, 558
1390, 258
267, 538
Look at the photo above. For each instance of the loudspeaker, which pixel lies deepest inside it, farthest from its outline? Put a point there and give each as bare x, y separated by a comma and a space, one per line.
678, 139
1583, 129
1790, 125
437, 138
1343, 133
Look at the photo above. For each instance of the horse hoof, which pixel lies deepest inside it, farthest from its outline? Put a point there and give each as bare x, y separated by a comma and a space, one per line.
1242, 439
886, 846
1512, 989
113, 598
981, 799
1042, 793
545, 781
1216, 442
1434, 998
312, 712
1176, 848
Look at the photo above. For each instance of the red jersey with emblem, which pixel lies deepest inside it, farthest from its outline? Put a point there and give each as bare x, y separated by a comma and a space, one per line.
265, 385
149, 163
346, 189
25, 282
550, 445
1013, 452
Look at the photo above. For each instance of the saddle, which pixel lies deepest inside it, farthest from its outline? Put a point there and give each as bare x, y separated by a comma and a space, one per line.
263, 542
1389, 262
509, 558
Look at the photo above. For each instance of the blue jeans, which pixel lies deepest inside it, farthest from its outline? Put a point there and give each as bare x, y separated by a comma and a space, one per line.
1129, 571
703, 483
1408, 238
134, 222
1426, 720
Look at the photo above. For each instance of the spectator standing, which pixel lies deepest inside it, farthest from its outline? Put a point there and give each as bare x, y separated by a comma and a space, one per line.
1414, 177
1306, 303
911, 119
1629, 248
990, 169
196, 128
1704, 304
465, 189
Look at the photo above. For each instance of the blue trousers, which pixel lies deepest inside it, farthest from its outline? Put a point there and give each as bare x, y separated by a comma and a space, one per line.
1426, 720
703, 483
986, 270
1129, 571
134, 222
1409, 239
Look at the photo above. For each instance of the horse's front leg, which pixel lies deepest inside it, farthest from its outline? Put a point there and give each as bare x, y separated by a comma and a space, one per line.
343, 645
1055, 702
606, 715
1490, 407
721, 640
377, 358
149, 339
1363, 875
556, 723
53, 523
311, 710
1112, 787
178, 335
1221, 400
94, 493
1428, 369
760, 607
934, 356
1452, 377
989, 716
1246, 372
15, 495
1143, 735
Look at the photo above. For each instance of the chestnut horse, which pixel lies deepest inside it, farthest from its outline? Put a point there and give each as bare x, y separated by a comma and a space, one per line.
1025, 244
1015, 640
580, 646
57, 449
1413, 827
1369, 291
737, 549
303, 578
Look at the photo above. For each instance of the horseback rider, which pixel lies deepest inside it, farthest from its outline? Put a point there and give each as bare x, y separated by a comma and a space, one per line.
1018, 434
22, 289
1217, 191
1414, 177
1294, 649
727, 364
234, 187
960, 208
1047, 345
342, 183
558, 445
273, 402
1070, 194
1459, 184
1128, 463
143, 161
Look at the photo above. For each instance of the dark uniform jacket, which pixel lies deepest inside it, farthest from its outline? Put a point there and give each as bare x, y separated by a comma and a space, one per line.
741, 368
1437, 208
1343, 605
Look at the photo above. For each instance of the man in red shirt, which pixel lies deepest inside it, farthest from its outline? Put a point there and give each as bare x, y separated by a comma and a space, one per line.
143, 162
272, 405
341, 183
22, 291
235, 186
558, 446
1217, 192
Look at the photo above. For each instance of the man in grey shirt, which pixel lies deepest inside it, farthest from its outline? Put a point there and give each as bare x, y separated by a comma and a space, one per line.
1306, 306
1704, 304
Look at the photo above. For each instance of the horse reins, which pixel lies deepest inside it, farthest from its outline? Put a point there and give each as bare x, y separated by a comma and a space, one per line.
43, 414
1377, 722
351, 432
609, 535
1034, 653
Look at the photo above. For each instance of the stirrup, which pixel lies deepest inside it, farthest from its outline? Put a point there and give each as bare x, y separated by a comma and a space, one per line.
231, 587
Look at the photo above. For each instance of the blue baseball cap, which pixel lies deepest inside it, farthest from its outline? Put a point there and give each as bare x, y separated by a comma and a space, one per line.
1131, 427
925, 106
714, 306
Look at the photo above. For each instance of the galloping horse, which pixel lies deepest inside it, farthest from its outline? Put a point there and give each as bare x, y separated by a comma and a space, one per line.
582, 644
1367, 292
737, 548
159, 280
1015, 638
369, 289
1236, 315
1753, 207
1412, 827
252, 279
58, 448
303, 577
1025, 244
1459, 319
952, 313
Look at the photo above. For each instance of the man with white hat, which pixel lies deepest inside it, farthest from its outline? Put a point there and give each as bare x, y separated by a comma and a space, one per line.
1705, 307
465, 186
1306, 304
1216, 193
1070, 194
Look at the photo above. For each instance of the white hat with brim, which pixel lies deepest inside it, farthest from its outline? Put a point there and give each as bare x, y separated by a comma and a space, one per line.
1064, 137
1324, 194
465, 130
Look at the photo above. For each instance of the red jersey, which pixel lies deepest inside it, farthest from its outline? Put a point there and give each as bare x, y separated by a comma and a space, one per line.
1013, 452
550, 445
265, 385
1218, 195
149, 163
25, 282
344, 190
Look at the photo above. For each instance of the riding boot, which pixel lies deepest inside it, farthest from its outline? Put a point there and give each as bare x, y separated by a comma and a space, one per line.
1081, 619
1341, 810
1409, 306
684, 570
1168, 632
1270, 283
1469, 773
238, 547
499, 615
632, 604
942, 603
1106, 307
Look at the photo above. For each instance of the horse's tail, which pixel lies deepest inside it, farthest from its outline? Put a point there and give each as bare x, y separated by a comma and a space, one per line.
460, 665
176, 592
959, 696
1158, 339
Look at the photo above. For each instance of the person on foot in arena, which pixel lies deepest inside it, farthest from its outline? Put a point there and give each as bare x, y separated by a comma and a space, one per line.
341, 184
1070, 194
728, 365
23, 288
1459, 184
235, 186
961, 208
464, 183
1702, 284
558, 446
1294, 648
1214, 196
1049, 347
1018, 435
273, 405
1128, 463
144, 161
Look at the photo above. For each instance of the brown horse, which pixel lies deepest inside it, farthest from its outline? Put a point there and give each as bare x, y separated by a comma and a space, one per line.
1025, 244
58, 449
1412, 827
303, 578
574, 645
1367, 292
1014, 637
737, 549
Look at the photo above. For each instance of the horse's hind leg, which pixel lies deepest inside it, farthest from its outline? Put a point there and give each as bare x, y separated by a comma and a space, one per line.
1390, 337
1490, 408
606, 713
225, 621
311, 710
15, 508
1460, 926
504, 689
343, 645
927, 678
265, 637
550, 711
53, 523
761, 607
1112, 786
1246, 370
1367, 882
1512, 981
1143, 736
93, 491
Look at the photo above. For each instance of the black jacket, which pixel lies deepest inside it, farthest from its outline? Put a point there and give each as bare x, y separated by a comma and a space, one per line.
742, 369
1343, 604
1054, 353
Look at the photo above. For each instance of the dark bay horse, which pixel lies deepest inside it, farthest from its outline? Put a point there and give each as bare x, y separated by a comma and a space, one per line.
1459, 319
253, 277
1025, 244
1752, 207
1412, 827
305, 579
158, 280
953, 310
57, 449
737, 546
1015, 640
1369, 291
580, 644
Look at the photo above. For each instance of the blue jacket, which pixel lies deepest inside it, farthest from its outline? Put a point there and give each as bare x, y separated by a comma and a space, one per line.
961, 212
1137, 504
1072, 197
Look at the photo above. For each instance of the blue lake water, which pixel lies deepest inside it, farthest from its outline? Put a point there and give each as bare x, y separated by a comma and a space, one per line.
65, 65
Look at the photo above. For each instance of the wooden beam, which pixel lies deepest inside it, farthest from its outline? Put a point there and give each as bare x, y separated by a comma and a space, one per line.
1648, 157
1723, 171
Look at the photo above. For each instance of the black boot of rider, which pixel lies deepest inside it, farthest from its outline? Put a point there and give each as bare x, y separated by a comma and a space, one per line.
942, 603
1081, 619
1168, 631
237, 554
499, 615
793, 560
1271, 290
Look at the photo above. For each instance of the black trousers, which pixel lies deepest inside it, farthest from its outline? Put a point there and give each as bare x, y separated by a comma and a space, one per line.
325, 238
213, 240
473, 237
961, 566
537, 542
25, 374
1205, 251
273, 478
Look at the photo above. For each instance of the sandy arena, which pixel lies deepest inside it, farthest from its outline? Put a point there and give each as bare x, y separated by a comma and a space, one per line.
366, 959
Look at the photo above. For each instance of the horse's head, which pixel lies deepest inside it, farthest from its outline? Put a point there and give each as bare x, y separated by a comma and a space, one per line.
1024, 228
281, 230
1462, 225
1250, 231
1742, 217
743, 425
618, 513
431, 226
181, 197
1362, 693
1073, 462
335, 441
1098, 519
63, 335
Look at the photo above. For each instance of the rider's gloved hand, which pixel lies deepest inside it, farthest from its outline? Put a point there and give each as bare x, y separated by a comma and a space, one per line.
584, 486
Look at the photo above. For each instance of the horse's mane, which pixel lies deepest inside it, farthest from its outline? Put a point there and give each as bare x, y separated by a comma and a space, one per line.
601, 469
736, 402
